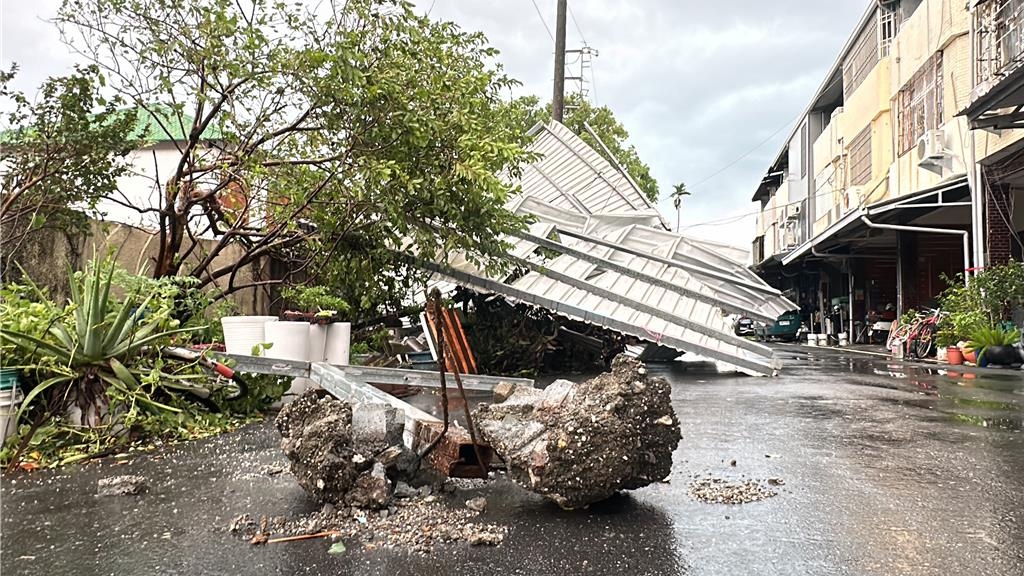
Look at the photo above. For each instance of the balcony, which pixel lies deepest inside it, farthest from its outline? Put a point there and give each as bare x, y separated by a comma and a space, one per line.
997, 102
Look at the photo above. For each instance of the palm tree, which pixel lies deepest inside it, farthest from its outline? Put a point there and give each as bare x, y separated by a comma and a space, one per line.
679, 190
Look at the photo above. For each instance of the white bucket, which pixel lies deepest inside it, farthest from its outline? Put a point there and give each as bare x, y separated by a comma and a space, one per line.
290, 341
317, 342
822, 339
843, 339
10, 402
339, 340
812, 339
241, 333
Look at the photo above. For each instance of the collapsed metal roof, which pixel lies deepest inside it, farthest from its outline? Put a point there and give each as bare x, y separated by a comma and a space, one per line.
598, 251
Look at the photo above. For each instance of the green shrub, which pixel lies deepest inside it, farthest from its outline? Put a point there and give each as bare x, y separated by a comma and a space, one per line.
988, 300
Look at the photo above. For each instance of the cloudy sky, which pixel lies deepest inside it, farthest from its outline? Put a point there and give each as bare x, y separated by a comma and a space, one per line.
707, 90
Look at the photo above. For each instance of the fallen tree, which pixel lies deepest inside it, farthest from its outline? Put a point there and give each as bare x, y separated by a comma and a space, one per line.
576, 444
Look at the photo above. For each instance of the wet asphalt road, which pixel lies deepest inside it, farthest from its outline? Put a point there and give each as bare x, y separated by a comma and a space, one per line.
888, 469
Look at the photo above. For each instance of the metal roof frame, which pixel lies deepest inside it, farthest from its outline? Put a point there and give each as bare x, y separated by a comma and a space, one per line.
747, 363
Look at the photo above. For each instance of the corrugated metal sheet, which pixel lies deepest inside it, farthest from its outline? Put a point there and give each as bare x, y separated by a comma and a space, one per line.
610, 259
573, 176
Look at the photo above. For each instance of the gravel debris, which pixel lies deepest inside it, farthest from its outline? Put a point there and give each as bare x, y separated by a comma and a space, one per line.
478, 504
121, 485
721, 491
415, 525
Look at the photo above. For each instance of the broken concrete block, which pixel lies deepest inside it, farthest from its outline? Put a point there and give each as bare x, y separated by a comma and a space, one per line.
502, 391
372, 489
375, 426
316, 436
399, 462
121, 486
580, 443
478, 504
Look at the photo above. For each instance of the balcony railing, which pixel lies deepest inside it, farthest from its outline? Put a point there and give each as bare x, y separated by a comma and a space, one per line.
1000, 38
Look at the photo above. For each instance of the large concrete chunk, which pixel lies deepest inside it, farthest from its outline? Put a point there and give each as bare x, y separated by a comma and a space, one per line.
580, 443
316, 436
333, 458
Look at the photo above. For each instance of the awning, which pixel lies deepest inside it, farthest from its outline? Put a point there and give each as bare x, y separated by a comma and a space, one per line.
901, 209
1001, 107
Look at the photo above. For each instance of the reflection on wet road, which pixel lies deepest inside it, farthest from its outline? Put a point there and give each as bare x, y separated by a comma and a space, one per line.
887, 468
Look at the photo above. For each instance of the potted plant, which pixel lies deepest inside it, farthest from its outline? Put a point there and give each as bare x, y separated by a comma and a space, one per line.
329, 335
995, 345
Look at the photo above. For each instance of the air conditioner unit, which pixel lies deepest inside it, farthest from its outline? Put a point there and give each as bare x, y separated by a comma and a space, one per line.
789, 239
793, 212
854, 197
932, 147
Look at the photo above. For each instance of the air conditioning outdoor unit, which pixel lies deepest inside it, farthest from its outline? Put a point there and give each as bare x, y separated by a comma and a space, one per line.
793, 212
932, 154
854, 197
932, 146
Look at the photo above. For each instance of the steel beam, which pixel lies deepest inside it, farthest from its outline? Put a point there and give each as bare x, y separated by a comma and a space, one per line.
424, 378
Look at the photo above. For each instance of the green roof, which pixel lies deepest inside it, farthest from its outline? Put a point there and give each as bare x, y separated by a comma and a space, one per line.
161, 124
158, 124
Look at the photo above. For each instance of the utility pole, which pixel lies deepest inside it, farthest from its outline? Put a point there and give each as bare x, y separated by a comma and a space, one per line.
558, 98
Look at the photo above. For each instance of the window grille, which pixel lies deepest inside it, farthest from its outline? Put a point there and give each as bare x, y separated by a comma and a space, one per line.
860, 158
1000, 37
919, 104
861, 59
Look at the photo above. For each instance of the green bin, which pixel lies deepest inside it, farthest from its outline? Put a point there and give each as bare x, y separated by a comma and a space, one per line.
8, 378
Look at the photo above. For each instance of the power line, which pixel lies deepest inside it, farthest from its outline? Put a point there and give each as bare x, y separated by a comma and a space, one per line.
728, 219
542, 20
763, 142
577, 25
744, 155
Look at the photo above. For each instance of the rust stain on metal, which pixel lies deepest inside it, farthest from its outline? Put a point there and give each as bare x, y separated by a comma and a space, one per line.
455, 454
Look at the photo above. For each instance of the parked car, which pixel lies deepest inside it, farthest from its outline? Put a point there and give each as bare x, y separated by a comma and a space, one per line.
745, 327
786, 327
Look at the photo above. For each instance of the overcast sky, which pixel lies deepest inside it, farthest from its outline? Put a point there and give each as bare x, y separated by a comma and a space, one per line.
699, 85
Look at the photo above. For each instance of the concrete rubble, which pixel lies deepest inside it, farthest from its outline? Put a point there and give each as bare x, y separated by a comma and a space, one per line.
577, 444
126, 485
338, 455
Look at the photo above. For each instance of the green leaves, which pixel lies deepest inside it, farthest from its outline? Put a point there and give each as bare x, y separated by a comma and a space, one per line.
987, 300
62, 151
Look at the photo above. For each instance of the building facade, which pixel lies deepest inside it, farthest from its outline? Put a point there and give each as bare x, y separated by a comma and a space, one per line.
903, 169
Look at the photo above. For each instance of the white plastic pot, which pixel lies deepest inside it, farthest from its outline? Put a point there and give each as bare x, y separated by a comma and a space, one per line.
241, 333
289, 340
10, 402
812, 339
338, 344
318, 342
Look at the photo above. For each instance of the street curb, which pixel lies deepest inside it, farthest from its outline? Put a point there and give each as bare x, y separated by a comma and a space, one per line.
916, 363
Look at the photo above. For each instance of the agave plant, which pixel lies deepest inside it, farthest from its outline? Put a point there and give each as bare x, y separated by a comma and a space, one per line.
92, 351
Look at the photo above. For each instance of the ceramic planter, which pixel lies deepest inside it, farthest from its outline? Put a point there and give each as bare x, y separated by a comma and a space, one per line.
954, 356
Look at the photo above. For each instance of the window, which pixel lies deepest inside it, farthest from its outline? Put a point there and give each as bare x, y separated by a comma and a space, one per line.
862, 58
889, 17
860, 158
919, 104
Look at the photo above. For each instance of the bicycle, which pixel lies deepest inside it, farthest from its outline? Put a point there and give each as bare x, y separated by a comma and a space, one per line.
917, 338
